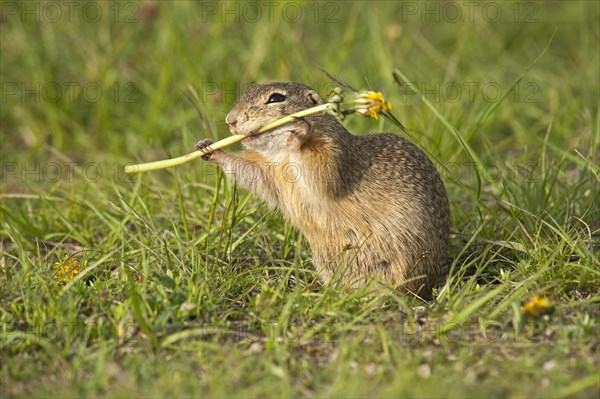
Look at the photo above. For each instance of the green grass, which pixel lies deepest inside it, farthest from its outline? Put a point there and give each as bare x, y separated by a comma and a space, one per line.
194, 288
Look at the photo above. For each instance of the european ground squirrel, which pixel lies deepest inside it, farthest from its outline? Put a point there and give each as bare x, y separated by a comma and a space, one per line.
370, 206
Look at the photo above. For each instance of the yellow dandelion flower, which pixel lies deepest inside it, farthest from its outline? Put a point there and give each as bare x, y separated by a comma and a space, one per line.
370, 103
537, 306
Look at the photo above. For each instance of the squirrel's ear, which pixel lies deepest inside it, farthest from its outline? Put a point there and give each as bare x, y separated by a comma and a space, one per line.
314, 97
298, 135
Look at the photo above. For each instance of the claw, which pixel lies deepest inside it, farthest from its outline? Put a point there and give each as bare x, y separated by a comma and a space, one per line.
202, 144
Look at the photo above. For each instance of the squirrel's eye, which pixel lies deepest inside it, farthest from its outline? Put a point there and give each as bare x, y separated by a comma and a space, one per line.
276, 98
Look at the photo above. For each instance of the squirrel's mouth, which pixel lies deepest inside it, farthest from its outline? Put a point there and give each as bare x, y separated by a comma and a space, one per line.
252, 137
236, 133
249, 137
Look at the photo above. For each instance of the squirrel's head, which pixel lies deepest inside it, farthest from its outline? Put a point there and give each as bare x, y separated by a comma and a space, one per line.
267, 102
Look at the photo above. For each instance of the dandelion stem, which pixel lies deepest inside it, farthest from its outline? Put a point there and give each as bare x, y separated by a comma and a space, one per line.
167, 163
290, 118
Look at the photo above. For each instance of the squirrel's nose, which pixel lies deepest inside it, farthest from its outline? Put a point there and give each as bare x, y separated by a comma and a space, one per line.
231, 120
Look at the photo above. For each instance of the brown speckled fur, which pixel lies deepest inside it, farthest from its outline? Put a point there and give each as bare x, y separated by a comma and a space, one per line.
370, 206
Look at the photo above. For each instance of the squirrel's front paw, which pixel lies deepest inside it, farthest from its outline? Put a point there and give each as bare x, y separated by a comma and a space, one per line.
202, 144
299, 134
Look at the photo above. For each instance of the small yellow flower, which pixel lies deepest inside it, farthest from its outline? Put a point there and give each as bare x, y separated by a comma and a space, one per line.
537, 306
370, 103
68, 268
